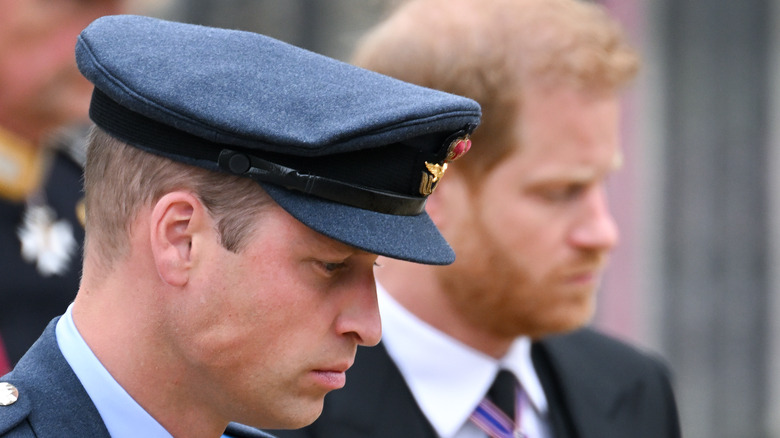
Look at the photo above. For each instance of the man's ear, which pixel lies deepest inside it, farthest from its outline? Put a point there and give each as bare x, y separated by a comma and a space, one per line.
176, 218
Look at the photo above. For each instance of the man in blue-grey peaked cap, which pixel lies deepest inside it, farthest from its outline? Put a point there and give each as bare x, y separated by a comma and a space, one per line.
238, 192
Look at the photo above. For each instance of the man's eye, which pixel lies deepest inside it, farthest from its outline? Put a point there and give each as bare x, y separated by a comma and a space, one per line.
332, 267
565, 193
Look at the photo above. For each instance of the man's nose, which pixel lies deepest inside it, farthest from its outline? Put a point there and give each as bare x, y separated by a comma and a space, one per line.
595, 228
360, 316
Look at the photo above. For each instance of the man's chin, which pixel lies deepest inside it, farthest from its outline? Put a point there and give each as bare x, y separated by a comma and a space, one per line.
563, 323
572, 322
293, 417
303, 422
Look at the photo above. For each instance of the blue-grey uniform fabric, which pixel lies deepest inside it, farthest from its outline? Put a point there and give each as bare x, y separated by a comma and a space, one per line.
331, 132
53, 404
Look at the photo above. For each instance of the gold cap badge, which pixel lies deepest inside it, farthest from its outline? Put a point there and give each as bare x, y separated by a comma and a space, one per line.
434, 174
457, 148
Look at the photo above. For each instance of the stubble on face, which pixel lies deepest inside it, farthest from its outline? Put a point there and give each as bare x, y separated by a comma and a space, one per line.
533, 237
497, 294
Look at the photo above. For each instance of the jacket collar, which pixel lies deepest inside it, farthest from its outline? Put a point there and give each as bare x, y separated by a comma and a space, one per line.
49, 388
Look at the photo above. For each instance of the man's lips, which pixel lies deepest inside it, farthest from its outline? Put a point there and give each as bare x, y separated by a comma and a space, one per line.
332, 377
585, 275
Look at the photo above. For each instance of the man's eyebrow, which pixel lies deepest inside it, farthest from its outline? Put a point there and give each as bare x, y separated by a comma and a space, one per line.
580, 175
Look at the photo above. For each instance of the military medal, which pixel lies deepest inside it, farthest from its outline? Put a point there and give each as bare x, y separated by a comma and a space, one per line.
22, 167
46, 242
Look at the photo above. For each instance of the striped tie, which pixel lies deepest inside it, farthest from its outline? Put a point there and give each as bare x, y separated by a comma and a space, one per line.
496, 413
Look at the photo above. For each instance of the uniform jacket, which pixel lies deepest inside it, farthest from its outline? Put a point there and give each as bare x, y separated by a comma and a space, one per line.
31, 299
596, 387
53, 404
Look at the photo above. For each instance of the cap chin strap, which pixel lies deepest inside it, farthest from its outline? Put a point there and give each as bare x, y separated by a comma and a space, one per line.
261, 170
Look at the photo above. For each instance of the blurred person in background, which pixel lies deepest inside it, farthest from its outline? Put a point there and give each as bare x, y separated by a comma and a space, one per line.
495, 344
43, 120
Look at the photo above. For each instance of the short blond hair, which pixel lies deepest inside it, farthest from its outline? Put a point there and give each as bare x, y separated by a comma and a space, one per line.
119, 179
490, 50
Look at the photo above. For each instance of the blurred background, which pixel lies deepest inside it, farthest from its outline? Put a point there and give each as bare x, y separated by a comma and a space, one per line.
698, 201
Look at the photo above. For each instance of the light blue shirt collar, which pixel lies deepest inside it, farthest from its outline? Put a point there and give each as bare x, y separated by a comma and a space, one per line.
123, 416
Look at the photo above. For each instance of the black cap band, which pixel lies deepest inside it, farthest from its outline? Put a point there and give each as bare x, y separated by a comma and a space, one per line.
361, 197
161, 139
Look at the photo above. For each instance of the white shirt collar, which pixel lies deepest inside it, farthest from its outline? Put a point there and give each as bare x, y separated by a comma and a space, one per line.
123, 416
431, 361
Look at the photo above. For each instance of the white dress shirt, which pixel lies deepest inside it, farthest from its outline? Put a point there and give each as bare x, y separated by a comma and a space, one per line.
448, 379
123, 416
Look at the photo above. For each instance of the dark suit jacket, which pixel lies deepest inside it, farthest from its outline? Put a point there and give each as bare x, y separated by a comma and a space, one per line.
596, 387
52, 402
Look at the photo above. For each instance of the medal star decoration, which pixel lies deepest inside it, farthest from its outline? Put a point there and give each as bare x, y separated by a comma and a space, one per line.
47, 243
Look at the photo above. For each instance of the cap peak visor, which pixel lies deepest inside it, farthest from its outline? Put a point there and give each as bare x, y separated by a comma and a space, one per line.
411, 238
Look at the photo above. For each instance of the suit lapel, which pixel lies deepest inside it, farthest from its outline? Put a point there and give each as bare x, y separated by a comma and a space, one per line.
558, 411
587, 399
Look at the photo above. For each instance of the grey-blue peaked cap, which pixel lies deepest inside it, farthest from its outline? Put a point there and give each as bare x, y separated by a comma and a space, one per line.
350, 153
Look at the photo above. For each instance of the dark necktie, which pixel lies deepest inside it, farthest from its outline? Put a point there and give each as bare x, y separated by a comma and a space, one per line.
503, 393
495, 415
